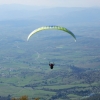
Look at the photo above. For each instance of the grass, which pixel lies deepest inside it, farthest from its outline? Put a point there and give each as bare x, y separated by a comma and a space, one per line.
74, 97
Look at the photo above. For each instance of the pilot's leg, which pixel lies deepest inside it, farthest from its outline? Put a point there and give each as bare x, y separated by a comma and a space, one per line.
51, 67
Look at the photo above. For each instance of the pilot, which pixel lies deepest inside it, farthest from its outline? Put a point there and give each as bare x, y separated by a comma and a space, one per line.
51, 65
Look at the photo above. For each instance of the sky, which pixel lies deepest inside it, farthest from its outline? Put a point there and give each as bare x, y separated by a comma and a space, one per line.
55, 3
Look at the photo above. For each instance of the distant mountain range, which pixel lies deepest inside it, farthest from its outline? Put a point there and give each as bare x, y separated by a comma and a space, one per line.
49, 15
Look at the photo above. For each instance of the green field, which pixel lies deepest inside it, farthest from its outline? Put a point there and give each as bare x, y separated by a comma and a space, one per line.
24, 66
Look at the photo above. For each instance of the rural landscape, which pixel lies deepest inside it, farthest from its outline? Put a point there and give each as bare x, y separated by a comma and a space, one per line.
24, 65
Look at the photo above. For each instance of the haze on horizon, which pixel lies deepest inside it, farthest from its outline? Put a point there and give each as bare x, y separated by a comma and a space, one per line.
55, 3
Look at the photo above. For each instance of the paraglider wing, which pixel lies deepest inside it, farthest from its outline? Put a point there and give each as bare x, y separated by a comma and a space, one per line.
51, 27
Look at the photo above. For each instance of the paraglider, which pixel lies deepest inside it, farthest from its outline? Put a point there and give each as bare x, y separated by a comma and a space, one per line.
51, 28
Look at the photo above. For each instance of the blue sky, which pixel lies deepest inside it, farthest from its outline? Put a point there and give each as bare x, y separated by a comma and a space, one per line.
55, 3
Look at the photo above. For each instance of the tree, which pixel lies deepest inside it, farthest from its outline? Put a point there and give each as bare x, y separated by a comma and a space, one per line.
23, 98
